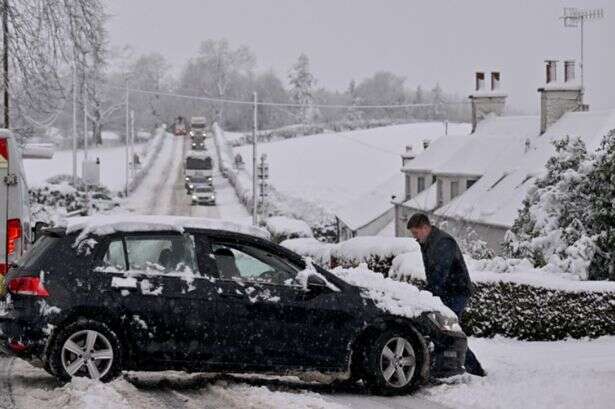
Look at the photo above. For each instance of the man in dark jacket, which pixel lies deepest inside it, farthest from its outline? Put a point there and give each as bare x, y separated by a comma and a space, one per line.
446, 272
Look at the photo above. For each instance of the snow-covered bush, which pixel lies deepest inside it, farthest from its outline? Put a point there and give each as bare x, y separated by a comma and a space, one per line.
318, 251
283, 228
377, 252
601, 196
536, 314
552, 228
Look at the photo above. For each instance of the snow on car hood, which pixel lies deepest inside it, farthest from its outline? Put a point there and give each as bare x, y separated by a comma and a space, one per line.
104, 225
394, 297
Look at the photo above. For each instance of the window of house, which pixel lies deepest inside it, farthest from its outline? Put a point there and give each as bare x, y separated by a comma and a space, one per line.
454, 189
470, 182
420, 184
433, 179
440, 192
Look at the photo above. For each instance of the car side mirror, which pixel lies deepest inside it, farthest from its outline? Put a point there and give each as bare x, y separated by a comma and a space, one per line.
37, 231
316, 283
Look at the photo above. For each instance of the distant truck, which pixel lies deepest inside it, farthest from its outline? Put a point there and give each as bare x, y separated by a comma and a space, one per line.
198, 126
198, 164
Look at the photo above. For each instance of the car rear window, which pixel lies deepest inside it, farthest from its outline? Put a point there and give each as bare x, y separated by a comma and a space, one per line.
33, 259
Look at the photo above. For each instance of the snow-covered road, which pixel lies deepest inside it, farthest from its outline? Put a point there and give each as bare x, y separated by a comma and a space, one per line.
530, 375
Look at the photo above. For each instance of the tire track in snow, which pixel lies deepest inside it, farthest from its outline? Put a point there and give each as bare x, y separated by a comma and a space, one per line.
7, 400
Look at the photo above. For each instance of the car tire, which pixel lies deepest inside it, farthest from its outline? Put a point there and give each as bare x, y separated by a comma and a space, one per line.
387, 371
105, 357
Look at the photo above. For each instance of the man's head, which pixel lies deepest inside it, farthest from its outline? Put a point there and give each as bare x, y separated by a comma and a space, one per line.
419, 226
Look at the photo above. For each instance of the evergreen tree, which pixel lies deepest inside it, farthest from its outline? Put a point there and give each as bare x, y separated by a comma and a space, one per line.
438, 100
553, 224
302, 88
601, 193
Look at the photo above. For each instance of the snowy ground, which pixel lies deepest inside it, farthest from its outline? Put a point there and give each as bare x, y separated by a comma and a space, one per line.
529, 375
333, 169
112, 166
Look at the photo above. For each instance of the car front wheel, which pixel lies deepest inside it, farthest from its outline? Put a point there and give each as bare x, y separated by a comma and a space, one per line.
86, 348
391, 365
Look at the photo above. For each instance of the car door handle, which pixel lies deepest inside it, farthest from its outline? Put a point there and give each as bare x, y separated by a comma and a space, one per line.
231, 295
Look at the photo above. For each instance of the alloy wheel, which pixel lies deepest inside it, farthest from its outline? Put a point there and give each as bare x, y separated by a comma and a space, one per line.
397, 362
87, 353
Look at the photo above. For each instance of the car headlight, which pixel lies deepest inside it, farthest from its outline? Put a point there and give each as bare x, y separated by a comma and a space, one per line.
191, 186
195, 197
450, 324
187, 179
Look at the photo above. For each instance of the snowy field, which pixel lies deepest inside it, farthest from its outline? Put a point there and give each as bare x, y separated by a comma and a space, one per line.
528, 375
333, 169
112, 166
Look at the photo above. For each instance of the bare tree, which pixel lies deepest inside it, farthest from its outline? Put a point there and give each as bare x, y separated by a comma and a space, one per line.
44, 38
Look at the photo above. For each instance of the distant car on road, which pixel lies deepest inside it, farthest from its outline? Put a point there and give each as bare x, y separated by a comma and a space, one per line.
198, 181
203, 195
106, 294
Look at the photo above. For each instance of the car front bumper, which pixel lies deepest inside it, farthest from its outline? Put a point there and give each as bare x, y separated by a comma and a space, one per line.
448, 353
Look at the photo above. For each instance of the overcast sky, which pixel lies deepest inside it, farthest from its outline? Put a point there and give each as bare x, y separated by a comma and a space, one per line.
425, 41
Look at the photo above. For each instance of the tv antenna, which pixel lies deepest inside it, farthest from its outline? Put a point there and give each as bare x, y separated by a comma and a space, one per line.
575, 17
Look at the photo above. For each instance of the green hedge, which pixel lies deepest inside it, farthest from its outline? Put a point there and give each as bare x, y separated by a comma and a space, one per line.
536, 314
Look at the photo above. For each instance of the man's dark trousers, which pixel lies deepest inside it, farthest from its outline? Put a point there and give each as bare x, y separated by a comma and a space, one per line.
457, 304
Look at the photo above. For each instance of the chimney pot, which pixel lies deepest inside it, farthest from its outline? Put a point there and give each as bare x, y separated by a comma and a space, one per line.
569, 70
480, 81
426, 143
551, 71
495, 80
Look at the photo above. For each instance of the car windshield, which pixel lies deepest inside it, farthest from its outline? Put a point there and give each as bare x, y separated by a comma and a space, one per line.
199, 163
203, 189
199, 180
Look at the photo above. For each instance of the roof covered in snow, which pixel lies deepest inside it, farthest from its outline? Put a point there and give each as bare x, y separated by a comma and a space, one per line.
371, 205
104, 225
426, 201
498, 195
493, 136
438, 153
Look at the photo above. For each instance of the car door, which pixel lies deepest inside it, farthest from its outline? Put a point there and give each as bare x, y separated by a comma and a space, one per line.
156, 280
266, 318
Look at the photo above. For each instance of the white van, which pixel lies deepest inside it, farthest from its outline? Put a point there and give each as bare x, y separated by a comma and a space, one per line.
15, 230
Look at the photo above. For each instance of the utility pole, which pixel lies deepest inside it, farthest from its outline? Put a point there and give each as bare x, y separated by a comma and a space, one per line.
132, 142
84, 166
254, 129
74, 121
5, 59
575, 17
127, 136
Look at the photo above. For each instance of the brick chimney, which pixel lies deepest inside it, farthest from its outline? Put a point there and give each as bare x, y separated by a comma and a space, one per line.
485, 100
559, 97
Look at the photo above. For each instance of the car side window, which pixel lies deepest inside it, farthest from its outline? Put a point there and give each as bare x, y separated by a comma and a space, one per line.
161, 254
115, 257
252, 264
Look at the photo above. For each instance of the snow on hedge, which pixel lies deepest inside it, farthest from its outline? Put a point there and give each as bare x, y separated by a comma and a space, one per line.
104, 225
318, 251
392, 296
364, 247
282, 226
518, 271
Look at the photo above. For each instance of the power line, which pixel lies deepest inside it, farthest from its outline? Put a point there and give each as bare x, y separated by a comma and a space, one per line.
279, 104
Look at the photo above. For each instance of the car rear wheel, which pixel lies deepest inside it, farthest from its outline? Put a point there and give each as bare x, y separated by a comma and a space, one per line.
391, 365
86, 348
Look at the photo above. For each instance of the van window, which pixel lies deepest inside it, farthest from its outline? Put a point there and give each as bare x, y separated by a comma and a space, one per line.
199, 163
115, 257
32, 260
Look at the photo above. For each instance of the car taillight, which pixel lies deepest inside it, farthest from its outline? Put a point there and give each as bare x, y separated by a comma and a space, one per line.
4, 148
13, 234
28, 286
3, 268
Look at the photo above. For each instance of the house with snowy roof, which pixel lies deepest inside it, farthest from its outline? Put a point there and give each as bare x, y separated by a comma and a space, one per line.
475, 184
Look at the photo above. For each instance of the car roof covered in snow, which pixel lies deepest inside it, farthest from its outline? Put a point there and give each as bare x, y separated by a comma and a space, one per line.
104, 225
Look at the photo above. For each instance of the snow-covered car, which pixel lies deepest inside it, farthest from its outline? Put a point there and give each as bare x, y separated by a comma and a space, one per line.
105, 294
203, 194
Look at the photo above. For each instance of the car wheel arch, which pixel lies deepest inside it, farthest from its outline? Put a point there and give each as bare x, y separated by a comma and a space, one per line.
100, 314
373, 329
